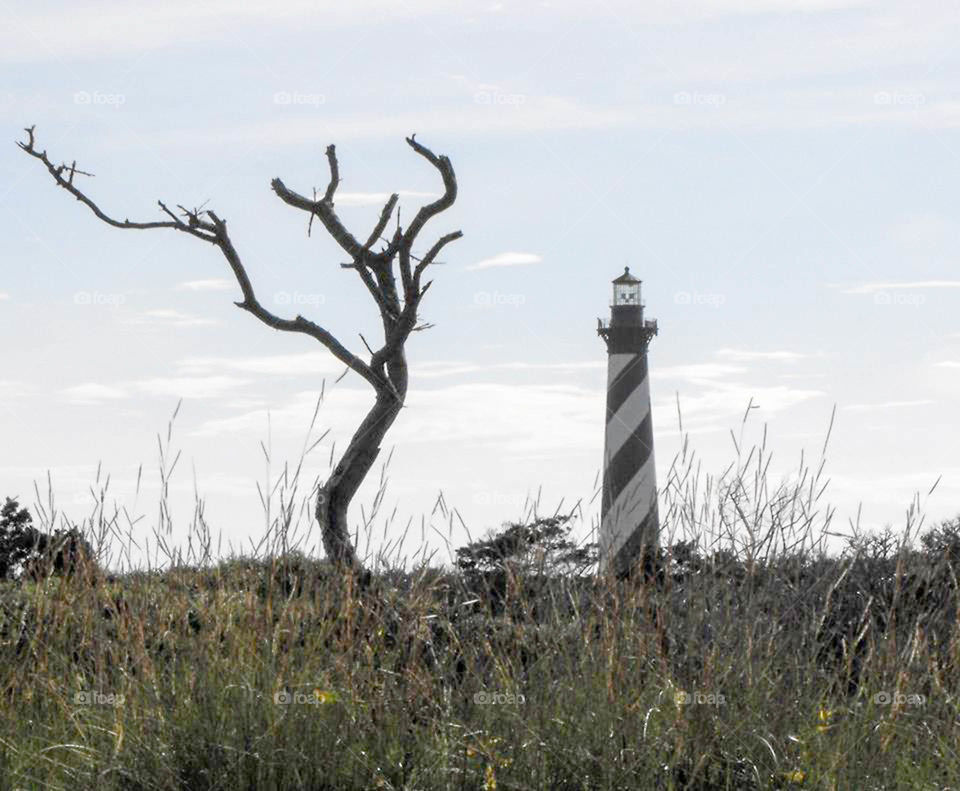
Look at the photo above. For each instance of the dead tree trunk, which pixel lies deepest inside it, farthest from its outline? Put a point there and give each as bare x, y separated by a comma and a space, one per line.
335, 495
386, 368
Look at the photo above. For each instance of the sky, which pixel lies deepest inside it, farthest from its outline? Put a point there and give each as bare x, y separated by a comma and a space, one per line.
783, 175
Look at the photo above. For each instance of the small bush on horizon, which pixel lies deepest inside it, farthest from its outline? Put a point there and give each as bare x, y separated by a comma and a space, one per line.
27, 550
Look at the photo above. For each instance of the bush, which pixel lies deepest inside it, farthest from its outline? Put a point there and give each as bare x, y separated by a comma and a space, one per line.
543, 545
26, 550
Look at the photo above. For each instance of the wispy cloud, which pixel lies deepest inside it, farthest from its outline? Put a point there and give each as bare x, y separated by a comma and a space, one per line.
200, 387
94, 393
436, 369
305, 363
170, 318
4, 295
887, 405
507, 259
214, 284
47, 33
871, 288
512, 418
947, 364
725, 402
744, 355
460, 117
696, 372
190, 386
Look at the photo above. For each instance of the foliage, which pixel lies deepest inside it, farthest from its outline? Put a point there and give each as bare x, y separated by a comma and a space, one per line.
24, 549
19, 539
543, 545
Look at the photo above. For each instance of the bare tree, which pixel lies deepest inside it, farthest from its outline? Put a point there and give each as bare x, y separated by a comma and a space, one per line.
386, 368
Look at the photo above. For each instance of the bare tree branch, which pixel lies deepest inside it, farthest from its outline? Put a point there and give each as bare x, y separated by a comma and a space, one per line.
382, 222
323, 208
215, 232
67, 183
432, 254
445, 201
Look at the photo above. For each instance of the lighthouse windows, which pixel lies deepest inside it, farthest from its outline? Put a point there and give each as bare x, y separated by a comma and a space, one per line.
626, 289
626, 294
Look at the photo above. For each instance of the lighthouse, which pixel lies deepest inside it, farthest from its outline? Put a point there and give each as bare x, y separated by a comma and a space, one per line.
629, 520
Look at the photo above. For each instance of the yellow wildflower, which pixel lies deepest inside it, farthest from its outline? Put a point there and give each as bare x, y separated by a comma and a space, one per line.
489, 779
823, 720
796, 776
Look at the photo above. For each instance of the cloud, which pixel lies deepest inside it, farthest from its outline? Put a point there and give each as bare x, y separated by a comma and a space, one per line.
306, 363
377, 198
436, 369
190, 386
214, 284
742, 355
511, 418
168, 317
726, 402
887, 405
507, 259
947, 364
696, 372
870, 288
94, 393
461, 116
200, 387
4, 295
64, 32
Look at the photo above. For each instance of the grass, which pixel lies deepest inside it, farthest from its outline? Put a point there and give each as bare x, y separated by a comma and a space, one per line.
757, 660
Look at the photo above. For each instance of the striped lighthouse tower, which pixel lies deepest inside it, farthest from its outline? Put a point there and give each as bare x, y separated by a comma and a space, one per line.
629, 519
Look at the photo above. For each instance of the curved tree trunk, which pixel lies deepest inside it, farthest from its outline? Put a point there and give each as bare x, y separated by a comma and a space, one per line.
334, 497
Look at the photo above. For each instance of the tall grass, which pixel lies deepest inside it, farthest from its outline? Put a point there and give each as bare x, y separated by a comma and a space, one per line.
756, 659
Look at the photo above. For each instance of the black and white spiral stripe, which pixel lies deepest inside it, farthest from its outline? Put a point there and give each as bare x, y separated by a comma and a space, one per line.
629, 516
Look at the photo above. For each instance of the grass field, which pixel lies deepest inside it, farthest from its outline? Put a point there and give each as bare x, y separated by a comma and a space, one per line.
755, 660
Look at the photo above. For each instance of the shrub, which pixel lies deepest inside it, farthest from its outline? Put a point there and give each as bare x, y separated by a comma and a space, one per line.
26, 550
